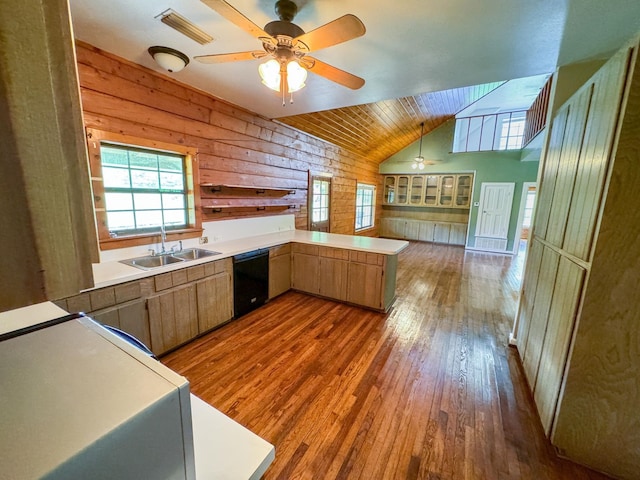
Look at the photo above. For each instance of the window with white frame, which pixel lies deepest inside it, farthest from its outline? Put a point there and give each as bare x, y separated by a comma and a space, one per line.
503, 131
143, 189
365, 205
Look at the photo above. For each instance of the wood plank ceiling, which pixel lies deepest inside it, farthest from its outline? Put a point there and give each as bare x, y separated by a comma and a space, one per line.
381, 129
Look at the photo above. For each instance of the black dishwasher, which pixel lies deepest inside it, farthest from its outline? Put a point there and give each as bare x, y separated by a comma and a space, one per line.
250, 281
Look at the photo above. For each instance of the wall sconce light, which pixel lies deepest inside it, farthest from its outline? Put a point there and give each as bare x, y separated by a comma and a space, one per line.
168, 58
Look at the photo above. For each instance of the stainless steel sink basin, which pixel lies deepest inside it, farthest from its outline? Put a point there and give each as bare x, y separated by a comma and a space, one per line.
154, 261
194, 253
151, 261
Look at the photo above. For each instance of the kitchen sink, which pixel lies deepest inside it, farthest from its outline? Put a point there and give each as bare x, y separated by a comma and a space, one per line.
154, 261
151, 261
194, 253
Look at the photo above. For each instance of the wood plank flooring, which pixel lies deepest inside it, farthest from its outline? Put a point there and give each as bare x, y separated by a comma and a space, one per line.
428, 391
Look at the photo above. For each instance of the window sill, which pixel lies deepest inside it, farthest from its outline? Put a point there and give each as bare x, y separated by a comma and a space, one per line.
364, 229
148, 238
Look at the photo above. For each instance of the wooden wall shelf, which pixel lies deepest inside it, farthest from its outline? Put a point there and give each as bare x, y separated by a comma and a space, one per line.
246, 189
246, 208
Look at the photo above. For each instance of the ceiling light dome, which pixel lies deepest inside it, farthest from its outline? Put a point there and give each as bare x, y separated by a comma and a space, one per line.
168, 58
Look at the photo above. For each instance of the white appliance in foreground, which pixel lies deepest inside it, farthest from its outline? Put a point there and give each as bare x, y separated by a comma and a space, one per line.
77, 402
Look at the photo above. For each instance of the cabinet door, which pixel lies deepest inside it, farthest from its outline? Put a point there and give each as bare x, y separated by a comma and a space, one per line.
431, 190
441, 232
412, 229
457, 234
417, 187
528, 294
130, 317
333, 273
389, 190
215, 301
463, 191
540, 314
555, 349
426, 231
173, 318
447, 186
304, 276
395, 227
403, 190
365, 285
279, 274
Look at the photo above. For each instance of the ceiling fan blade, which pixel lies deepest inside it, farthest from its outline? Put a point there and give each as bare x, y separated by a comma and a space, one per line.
340, 30
230, 57
237, 18
332, 73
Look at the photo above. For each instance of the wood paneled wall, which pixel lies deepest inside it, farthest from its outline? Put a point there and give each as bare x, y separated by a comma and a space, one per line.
235, 146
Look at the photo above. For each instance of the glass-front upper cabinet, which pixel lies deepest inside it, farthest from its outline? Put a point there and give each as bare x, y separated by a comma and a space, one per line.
463, 190
415, 195
446, 191
431, 190
389, 189
403, 190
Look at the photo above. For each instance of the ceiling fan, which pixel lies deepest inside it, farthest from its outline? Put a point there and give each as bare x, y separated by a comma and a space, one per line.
288, 45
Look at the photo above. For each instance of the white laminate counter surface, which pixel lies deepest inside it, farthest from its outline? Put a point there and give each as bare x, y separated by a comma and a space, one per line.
28, 316
224, 449
111, 273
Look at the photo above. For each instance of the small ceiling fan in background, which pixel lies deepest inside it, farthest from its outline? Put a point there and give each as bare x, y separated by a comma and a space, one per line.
288, 46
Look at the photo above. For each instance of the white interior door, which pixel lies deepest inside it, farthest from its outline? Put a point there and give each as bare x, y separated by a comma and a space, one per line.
494, 215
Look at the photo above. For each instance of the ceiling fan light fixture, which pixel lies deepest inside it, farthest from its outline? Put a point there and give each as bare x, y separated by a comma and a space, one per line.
418, 162
270, 73
168, 58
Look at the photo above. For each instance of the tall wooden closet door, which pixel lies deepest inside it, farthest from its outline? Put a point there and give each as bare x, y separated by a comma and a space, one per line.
566, 172
549, 172
562, 315
593, 163
528, 295
540, 315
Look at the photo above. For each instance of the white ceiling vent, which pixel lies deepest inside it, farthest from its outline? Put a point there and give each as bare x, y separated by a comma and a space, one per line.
184, 26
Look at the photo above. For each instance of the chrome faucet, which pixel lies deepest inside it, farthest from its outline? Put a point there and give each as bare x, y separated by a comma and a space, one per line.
163, 238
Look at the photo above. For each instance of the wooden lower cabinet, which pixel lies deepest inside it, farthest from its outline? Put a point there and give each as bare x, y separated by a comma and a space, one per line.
173, 318
365, 285
333, 273
424, 230
130, 317
279, 270
215, 301
305, 265
352, 276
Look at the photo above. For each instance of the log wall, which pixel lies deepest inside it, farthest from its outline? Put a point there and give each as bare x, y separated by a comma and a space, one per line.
235, 146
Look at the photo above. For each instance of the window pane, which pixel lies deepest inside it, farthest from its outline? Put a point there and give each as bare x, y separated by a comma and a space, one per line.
475, 129
148, 218
114, 156
324, 188
171, 181
488, 131
120, 221
172, 200
118, 201
316, 186
174, 217
147, 201
460, 136
115, 177
170, 163
144, 160
144, 179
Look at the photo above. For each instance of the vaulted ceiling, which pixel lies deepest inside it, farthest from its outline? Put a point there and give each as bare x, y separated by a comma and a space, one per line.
421, 61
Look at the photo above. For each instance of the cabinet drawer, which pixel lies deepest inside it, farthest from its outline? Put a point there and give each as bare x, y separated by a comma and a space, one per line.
332, 252
280, 250
366, 257
304, 248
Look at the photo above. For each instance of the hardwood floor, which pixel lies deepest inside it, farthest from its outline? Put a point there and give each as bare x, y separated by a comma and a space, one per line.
428, 391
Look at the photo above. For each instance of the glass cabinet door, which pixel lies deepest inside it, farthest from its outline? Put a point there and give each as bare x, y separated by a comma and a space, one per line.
446, 191
389, 189
415, 196
403, 190
463, 191
431, 190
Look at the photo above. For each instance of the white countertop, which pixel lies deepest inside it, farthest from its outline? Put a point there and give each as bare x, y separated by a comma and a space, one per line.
111, 273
